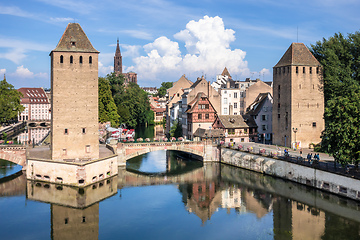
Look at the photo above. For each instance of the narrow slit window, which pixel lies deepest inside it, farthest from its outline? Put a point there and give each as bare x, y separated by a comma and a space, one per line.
90, 60
61, 59
71, 59
80, 59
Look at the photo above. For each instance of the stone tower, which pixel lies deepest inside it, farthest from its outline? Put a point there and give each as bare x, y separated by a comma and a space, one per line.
298, 98
74, 102
118, 59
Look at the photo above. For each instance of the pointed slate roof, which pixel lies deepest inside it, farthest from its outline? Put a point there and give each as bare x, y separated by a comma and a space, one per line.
74, 39
117, 51
226, 73
299, 55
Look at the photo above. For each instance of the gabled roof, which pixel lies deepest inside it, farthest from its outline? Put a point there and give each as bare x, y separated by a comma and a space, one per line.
74, 39
226, 73
256, 106
299, 55
232, 121
203, 133
199, 80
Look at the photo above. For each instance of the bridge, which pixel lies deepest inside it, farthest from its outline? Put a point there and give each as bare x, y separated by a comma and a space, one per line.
38, 123
208, 151
14, 153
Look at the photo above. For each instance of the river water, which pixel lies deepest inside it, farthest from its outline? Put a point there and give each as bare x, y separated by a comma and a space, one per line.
165, 195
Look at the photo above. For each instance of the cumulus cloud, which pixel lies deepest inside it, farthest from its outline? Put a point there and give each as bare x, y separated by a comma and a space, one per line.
264, 72
208, 51
24, 73
103, 70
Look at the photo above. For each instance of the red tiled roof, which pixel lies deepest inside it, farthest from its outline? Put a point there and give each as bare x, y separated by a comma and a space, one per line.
33, 96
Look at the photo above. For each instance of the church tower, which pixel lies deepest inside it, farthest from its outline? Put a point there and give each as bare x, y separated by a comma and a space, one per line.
118, 60
74, 102
298, 107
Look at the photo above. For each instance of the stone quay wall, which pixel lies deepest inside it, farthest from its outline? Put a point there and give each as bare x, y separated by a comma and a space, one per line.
334, 183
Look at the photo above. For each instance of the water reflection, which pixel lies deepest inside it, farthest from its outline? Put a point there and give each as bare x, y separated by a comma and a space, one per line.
8, 168
33, 135
213, 201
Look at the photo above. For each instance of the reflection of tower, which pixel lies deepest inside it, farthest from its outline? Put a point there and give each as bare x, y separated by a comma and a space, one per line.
71, 223
282, 219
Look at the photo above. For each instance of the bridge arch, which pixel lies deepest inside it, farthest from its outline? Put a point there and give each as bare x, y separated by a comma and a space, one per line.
15, 154
204, 149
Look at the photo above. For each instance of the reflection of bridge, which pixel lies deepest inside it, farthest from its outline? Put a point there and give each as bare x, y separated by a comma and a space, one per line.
14, 185
38, 123
209, 171
205, 149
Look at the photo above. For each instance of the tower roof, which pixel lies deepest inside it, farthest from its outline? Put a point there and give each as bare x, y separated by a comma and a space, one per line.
117, 47
299, 55
226, 73
74, 39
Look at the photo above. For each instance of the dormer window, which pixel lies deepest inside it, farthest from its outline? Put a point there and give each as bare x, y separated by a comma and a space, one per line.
73, 44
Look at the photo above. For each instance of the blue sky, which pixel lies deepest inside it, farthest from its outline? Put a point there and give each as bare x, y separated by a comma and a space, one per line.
162, 39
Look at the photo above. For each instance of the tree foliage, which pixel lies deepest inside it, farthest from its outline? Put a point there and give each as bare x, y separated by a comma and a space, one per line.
163, 88
107, 107
176, 129
10, 106
132, 103
340, 58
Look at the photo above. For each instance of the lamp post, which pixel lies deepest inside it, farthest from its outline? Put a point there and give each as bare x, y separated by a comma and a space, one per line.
295, 131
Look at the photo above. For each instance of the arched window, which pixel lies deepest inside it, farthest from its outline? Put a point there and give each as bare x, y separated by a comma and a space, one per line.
71, 59
90, 59
61, 59
80, 59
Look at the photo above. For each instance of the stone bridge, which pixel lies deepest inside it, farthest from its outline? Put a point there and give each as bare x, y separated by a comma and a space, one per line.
14, 153
208, 151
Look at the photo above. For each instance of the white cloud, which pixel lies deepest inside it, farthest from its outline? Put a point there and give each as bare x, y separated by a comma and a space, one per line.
15, 11
264, 72
15, 55
61, 19
103, 70
24, 73
208, 49
2, 72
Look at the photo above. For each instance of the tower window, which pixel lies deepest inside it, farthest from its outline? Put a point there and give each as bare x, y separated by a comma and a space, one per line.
310, 70
61, 59
90, 60
87, 149
80, 59
317, 70
66, 131
71, 59
84, 130
314, 124
303, 69
297, 69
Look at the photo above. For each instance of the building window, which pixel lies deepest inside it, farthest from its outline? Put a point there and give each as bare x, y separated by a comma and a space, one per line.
64, 151
225, 111
235, 105
299, 86
80, 59
317, 70
206, 106
314, 124
231, 131
235, 95
279, 116
225, 101
66, 131
83, 130
264, 117
90, 60
303, 69
61, 59
264, 127
71, 59
199, 116
87, 149
278, 105
310, 70
206, 116
297, 69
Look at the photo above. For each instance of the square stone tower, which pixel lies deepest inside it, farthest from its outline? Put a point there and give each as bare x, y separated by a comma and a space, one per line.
74, 102
298, 98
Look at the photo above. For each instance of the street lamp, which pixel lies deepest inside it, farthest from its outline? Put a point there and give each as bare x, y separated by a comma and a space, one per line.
295, 131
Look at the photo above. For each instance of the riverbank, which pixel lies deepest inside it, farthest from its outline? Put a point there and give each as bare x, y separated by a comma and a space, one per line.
317, 178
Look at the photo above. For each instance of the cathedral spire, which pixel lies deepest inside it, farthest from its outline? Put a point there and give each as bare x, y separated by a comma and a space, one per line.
117, 59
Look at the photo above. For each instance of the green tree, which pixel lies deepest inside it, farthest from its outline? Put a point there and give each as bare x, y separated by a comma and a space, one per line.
176, 129
10, 106
340, 58
163, 88
107, 107
132, 103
